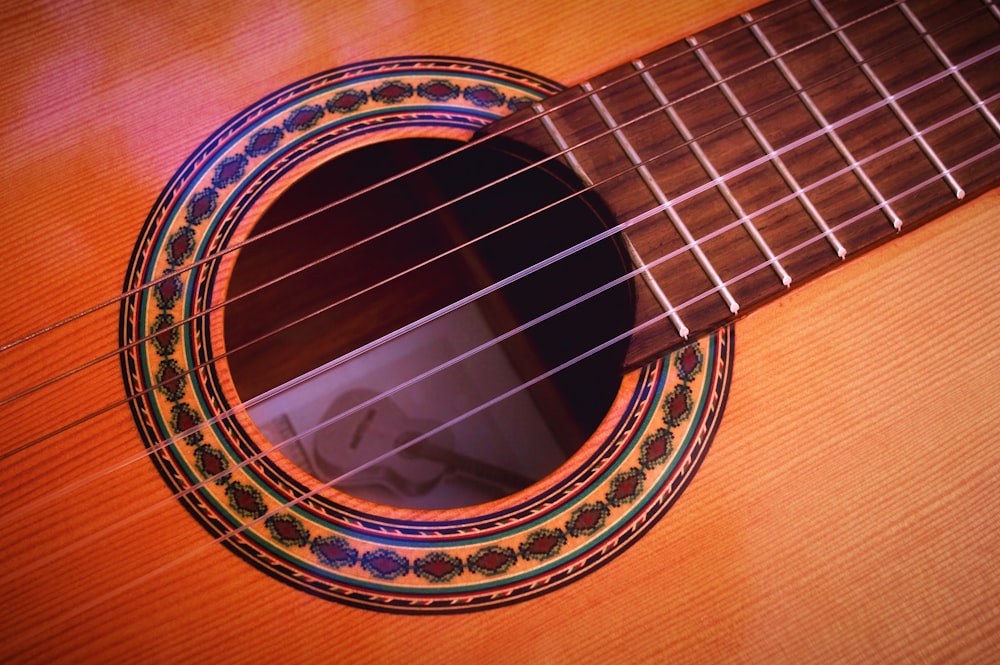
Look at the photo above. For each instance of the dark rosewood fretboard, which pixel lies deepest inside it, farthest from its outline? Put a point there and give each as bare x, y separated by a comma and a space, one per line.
763, 151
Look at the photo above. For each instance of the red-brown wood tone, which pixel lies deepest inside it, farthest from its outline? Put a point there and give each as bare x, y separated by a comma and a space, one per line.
779, 127
847, 509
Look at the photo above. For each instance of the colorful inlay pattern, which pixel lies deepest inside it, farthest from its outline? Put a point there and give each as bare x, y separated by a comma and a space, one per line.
616, 489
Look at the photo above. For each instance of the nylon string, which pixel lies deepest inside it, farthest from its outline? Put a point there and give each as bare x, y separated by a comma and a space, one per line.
818, 237
706, 186
658, 318
109, 355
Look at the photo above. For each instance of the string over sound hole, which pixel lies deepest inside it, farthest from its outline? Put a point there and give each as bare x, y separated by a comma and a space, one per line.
398, 353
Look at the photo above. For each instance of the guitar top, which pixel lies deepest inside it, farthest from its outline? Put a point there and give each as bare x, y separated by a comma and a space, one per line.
846, 510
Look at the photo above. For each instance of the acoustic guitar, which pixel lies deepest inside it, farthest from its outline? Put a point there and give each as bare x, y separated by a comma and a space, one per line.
816, 482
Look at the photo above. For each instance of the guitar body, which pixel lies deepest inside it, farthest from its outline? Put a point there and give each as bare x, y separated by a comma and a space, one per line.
846, 510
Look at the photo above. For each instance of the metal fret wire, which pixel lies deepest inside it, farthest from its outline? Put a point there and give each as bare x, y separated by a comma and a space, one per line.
204, 260
710, 169
673, 310
633, 253
79, 608
213, 307
821, 119
668, 206
235, 246
896, 109
946, 61
681, 328
979, 106
658, 318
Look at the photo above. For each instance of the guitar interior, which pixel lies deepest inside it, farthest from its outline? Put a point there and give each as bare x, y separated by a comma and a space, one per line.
334, 296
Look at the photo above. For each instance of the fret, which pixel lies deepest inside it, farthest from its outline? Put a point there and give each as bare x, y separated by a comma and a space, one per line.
740, 166
706, 163
833, 135
633, 253
662, 199
959, 29
946, 61
896, 108
563, 146
654, 287
853, 109
769, 150
670, 273
769, 145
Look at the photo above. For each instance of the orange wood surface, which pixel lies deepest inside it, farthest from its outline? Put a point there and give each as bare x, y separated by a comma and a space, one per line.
847, 511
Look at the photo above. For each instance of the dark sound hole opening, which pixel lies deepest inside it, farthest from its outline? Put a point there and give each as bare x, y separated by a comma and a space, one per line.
412, 270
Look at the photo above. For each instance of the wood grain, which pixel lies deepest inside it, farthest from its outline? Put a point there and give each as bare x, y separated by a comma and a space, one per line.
847, 509
798, 126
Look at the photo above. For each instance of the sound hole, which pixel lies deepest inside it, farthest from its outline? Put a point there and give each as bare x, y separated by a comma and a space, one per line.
350, 409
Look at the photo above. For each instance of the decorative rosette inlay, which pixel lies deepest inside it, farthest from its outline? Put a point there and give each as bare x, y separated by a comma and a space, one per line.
610, 493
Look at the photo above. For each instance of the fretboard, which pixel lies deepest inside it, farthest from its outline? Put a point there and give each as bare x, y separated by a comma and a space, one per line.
760, 153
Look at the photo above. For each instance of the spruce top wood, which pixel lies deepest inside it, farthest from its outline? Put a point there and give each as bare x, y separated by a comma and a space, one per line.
847, 510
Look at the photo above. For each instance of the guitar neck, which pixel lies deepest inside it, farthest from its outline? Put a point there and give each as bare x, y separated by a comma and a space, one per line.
762, 152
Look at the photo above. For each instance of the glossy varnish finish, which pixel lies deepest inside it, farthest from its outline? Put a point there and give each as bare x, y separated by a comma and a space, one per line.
846, 510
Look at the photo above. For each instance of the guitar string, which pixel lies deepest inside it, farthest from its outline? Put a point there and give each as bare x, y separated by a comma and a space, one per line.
581, 97
113, 405
81, 607
466, 146
988, 101
278, 445
836, 228
191, 369
207, 311
256, 400
108, 407
199, 262
928, 130
708, 185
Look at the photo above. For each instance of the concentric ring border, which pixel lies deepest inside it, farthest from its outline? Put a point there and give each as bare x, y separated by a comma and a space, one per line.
486, 551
